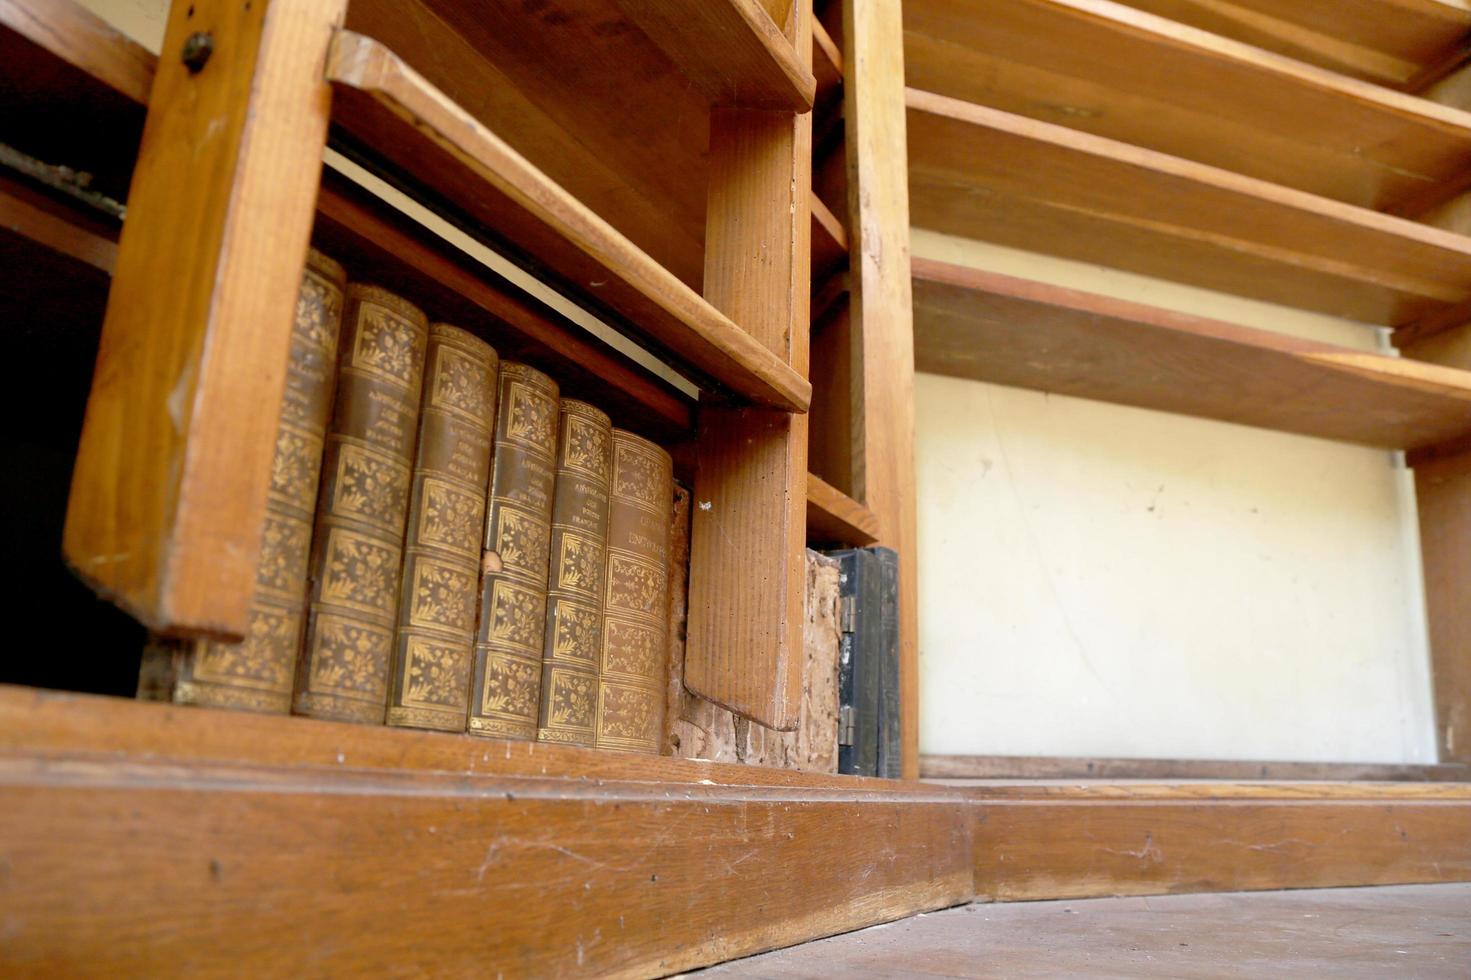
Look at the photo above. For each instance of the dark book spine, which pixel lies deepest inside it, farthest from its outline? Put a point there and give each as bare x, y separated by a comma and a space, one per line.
357, 547
429, 686
506, 684
569, 664
859, 656
889, 762
257, 673
632, 668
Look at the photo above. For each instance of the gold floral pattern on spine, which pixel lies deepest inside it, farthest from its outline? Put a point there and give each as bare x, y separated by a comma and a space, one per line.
285, 544
522, 543
451, 517
510, 688
443, 596
587, 447
350, 657
580, 564
438, 674
571, 700
629, 716
636, 474
633, 649
578, 629
532, 417
360, 572
295, 468
516, 616
635, 584
462, 384
254, 662
371, 487
385, 346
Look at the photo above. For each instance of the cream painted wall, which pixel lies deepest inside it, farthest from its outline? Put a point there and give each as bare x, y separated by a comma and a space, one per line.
1109, 581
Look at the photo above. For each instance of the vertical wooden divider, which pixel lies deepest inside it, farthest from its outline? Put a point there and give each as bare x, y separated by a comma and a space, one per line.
747, 566
1443, 490
880, 312
169, 490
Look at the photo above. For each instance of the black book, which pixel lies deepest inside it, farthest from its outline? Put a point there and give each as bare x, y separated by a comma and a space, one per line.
868, 662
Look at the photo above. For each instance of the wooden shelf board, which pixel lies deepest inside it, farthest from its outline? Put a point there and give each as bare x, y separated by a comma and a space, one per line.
1391, 42
731, 49
973, 768
829, 242
991, 327
59, 61
833, 517
827, 63
389, 107
982, 173
1114, 71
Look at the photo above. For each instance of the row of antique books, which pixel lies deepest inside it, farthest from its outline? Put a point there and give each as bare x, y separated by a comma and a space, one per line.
449, 544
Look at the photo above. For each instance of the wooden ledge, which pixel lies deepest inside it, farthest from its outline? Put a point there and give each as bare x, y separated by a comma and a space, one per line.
833, 517
982, 173
390, 108
992, 327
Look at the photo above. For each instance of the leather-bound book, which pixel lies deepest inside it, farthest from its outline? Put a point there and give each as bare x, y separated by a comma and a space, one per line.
429, 685
635, 597
513, 593
357, 547
569, 664
257, 673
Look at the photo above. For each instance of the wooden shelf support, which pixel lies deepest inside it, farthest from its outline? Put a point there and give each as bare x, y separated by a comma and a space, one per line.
391, 109
169, 490
747, 567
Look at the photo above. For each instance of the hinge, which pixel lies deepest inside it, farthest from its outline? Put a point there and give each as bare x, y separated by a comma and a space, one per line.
846, 613
845, 725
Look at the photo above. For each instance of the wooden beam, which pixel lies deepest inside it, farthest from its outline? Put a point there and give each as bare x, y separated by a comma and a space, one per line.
732, 50
829, 241
79, 38
395, 111
986, 174
878, 227
168, 493
987, 326
1443, 496
833, 517
748, 569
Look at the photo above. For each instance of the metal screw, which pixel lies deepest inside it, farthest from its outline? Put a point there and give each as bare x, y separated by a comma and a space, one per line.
197, 49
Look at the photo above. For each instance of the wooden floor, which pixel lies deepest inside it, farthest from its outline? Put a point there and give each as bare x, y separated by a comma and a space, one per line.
1421, 931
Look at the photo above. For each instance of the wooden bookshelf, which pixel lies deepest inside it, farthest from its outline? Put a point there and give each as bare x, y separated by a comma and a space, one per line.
387, 106
1114, 71
991, 175
1400, 43
829, 243
992, 327
827, 64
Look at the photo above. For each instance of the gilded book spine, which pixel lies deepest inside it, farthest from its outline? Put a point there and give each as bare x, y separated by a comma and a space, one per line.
257, 673
636, 597
430, 682
513, 594
357, 548
569, 665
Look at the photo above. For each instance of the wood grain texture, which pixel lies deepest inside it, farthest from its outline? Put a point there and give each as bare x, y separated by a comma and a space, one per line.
1026, 852
732, 50
834, 437
1114, 71
747, 572
393, 109
834, 518
827, 63
1443, 497
83, 237
585, 124
168, 493
991, 327
982, 173
878, 223
1392, 42
992, 767
829, 242
81, 39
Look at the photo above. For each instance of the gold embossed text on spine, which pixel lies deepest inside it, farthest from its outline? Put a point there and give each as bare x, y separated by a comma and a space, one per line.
430, 682
636, 597
357, 548
257, 673
513, 595
569, 664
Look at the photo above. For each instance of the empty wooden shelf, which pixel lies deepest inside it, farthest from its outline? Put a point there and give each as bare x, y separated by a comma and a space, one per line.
1392, 42
731, 49
833, 517
991, 327
395, 113
1112, 70
982, 173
